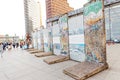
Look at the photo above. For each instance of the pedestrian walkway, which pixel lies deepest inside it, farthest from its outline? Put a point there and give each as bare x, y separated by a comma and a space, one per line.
18, 64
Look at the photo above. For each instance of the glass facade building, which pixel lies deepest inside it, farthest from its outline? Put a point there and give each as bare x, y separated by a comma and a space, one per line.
112, 22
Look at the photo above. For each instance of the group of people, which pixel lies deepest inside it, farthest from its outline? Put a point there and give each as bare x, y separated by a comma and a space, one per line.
25, 45
10, 45
7, 46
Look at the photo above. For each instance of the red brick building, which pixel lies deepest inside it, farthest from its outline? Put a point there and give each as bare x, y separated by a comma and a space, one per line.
57, 7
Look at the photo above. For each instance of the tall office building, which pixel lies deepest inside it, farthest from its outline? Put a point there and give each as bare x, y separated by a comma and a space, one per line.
57, 7
32, 15
27, 30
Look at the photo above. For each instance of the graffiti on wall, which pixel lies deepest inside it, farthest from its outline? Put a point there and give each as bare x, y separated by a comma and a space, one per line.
34, 37
95, 31
63, 23
47, 40
76, 38
40, 40
45, 37
56, 39
36, 40
50, 39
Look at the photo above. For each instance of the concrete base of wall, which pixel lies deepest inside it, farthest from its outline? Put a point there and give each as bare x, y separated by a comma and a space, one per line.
35, 51
43, 54
84, 70
31, 49
56, 59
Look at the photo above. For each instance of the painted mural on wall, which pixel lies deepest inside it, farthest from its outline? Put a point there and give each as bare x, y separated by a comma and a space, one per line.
34, 39
50, 39
76, 38
56, 39
64, 37
40, 40
95, 32
47, 40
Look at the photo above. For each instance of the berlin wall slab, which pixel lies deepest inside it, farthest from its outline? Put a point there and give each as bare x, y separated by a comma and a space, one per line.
56, 39
40, 45
60, 41
95, 37
95, 42
47, 36
84, 70
35, 40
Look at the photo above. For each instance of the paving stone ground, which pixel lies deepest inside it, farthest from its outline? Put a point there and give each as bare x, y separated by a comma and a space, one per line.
19, 64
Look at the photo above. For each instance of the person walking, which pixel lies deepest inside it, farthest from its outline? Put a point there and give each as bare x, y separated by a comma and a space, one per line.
17, 45
1, 49
13, 44
4, 45
9, 46
21, 44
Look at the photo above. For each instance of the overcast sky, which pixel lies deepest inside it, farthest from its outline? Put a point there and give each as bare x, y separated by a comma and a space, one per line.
12, 15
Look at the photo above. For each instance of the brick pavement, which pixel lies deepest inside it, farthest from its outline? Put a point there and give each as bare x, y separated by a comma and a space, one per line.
18, 64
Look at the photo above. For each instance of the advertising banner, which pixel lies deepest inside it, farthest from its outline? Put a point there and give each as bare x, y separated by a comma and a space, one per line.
56, 39
95, 39
64, 36
76, 38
